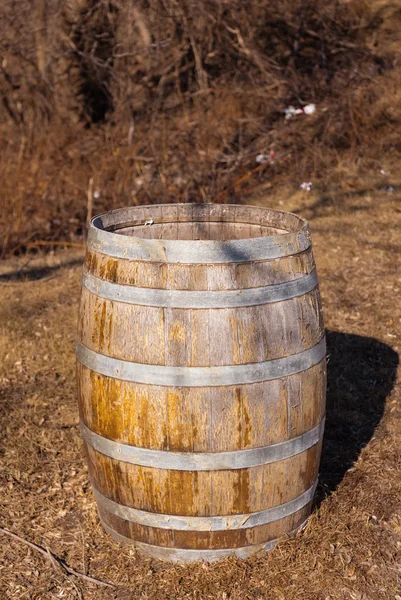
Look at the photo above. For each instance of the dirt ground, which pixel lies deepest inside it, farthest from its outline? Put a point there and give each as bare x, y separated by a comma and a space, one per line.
351, 548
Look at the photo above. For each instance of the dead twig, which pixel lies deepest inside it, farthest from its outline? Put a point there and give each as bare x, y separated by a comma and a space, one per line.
83, 547
56, 562
247, 175
89, 207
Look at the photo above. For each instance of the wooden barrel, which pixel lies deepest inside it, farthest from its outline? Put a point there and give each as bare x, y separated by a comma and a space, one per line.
201, 372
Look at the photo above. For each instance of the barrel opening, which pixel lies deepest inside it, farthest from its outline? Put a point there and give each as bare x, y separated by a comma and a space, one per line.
199, 222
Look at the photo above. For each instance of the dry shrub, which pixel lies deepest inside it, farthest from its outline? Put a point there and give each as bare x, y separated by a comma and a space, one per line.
171, 100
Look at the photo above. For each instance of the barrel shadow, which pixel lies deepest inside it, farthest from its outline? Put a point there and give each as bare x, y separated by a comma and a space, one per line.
36, 273
361, 373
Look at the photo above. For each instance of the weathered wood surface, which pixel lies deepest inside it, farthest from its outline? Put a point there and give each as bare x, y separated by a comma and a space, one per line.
202, 540
152, 335
209, 419
204, 493
229, 276
181, 419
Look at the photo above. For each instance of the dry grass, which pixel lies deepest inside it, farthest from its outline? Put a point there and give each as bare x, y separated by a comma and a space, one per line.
172, 100
351, 549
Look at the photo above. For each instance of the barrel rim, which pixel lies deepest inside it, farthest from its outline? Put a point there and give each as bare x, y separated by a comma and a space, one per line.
100, 238
236, 207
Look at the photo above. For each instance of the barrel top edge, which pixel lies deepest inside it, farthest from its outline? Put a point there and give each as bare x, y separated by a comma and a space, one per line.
199, 206
96, 249
104, 236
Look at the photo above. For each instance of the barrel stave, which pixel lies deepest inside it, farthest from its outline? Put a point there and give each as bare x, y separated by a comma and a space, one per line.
163, 336
195, 493
162, 418
204, 540
195, 277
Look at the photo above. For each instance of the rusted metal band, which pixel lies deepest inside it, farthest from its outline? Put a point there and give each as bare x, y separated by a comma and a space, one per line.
216, 523
201, 376
202, 461
181, 555
200, 299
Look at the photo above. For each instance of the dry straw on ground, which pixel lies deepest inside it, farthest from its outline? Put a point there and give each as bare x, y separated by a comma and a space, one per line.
351, 548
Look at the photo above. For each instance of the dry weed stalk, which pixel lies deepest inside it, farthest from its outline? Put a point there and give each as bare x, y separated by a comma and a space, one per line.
198, 88
57, 563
